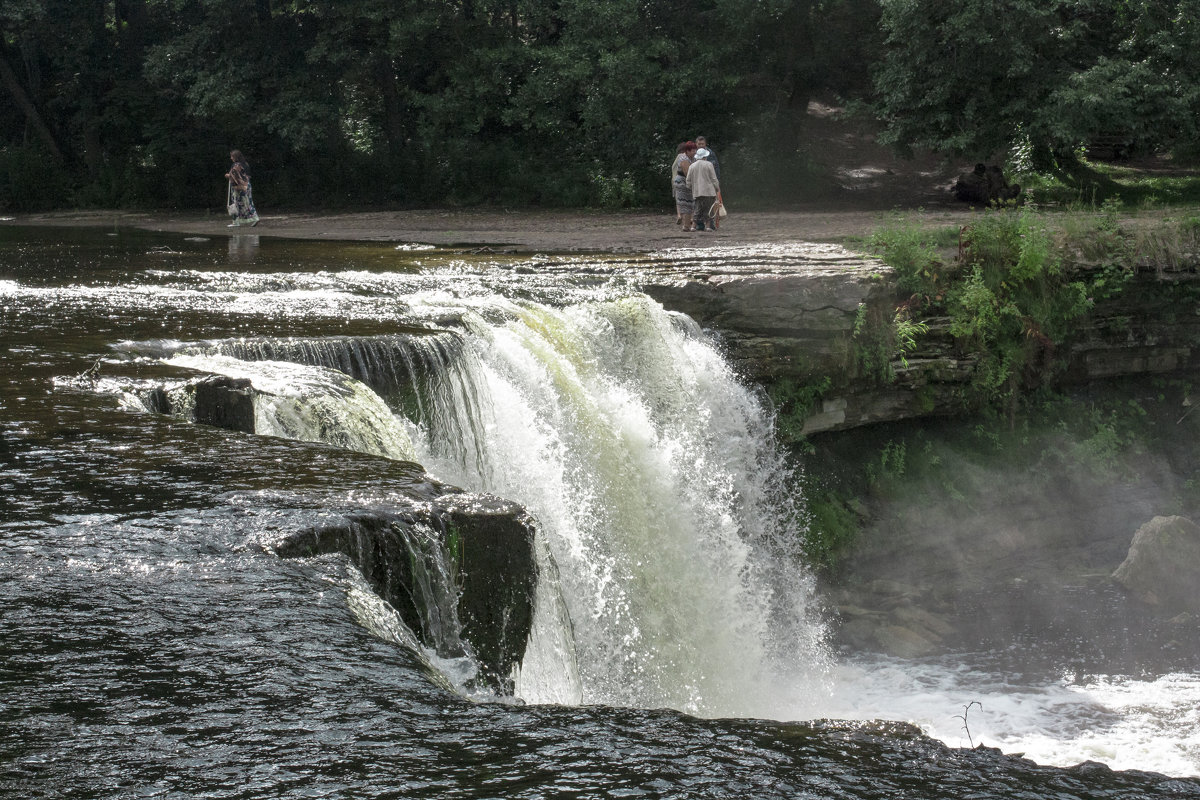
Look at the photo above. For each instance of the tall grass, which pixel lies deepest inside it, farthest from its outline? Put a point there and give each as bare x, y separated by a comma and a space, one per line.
1095, 183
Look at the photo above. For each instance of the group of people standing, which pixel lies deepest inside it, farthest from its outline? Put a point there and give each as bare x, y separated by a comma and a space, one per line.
696, 185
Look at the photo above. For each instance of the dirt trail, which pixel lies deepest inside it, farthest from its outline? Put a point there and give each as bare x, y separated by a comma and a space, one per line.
521, 231
860, 183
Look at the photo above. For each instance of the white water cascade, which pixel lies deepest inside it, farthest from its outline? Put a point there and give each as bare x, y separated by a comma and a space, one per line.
657, 488
313, 404
671, 571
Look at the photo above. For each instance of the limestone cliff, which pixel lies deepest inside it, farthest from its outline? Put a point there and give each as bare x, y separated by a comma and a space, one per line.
798, 315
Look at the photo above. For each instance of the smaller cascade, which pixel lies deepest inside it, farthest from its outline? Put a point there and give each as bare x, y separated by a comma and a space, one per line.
390, 365
293, 401
460, 571
422, 376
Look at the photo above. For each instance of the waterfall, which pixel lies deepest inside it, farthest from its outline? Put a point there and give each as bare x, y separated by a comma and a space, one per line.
390, 365
414, 374
670, 555
653, 474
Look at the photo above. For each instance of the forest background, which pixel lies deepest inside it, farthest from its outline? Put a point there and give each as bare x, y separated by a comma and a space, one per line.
409, 103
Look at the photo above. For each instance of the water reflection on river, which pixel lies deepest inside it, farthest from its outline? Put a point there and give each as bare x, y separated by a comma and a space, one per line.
150, 646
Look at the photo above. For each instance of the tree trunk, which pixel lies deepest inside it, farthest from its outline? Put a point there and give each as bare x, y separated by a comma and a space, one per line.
389, 91
9, 79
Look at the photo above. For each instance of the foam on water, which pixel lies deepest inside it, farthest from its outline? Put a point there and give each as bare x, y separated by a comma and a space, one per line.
1127, 723
313, 404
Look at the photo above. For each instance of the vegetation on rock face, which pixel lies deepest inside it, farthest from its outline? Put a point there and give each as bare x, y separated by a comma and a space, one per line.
1019, 284
794, 400
1014, 306
882, 337
1015, 294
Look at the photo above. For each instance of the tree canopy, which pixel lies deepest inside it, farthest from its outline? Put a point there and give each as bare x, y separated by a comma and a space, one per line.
551, 102
402, 101
984, 77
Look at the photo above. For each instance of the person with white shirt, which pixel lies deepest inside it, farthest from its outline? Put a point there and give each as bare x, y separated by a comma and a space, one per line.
702, 180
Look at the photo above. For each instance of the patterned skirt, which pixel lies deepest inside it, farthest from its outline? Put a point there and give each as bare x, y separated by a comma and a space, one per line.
683, 198
246, 213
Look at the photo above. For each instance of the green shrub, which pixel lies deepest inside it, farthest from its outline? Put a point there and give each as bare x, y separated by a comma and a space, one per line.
1015, 306
617, 191
913, 253
889, 465
793, 401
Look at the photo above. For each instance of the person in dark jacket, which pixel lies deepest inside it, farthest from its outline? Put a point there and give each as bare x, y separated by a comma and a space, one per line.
702, 141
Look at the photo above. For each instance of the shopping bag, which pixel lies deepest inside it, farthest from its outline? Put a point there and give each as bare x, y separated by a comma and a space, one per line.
718, 212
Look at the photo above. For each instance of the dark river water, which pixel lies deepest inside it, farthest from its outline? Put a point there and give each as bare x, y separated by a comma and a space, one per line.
152, 644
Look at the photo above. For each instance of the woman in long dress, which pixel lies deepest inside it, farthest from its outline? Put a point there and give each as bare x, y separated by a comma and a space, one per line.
683, 195
242, 203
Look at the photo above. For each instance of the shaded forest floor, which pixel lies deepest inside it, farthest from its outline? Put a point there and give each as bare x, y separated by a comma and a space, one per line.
861, 186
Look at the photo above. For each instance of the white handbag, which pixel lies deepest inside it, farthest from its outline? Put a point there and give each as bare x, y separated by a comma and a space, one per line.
718, 208
230, 206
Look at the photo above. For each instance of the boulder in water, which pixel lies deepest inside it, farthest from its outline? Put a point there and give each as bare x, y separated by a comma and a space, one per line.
225, 403
1163, 565
459, 570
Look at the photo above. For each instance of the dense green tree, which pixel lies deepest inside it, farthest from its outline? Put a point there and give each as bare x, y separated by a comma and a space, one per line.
979, 77
407, 101
72, 71
124, 102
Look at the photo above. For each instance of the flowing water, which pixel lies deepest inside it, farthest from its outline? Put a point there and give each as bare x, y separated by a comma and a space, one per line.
152, 645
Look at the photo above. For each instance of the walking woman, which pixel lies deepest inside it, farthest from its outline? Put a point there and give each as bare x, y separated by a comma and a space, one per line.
683, 195
241, 204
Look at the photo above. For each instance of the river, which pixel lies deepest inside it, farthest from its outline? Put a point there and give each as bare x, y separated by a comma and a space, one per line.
153, 645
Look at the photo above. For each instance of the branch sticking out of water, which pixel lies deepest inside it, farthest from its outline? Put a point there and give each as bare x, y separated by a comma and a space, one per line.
963, 717
91, 374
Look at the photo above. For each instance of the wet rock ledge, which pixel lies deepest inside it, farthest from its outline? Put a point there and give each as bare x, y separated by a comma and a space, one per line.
797, 314
460, 570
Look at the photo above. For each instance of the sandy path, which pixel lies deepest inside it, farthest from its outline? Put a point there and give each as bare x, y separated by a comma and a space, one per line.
523, 231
